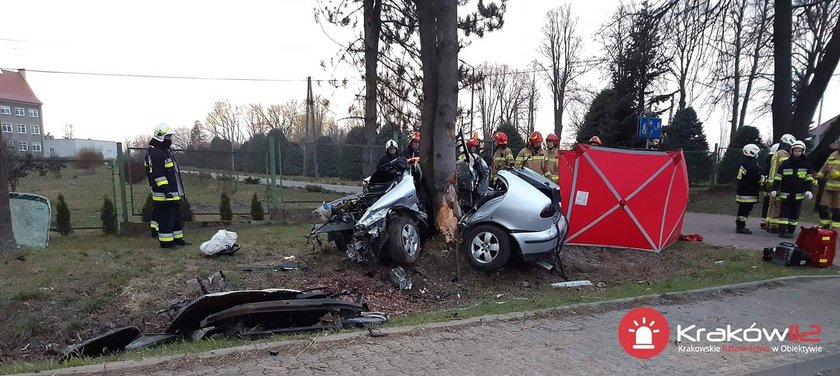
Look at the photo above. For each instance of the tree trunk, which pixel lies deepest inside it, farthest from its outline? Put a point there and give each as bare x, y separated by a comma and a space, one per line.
782, 82
7, 238
445, 201
426, 10
736, 94
372, 24
809, 96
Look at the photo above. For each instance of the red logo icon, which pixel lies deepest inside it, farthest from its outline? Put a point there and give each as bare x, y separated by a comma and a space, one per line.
643, 332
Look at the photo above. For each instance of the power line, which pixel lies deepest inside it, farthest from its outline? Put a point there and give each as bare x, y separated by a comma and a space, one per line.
202, 78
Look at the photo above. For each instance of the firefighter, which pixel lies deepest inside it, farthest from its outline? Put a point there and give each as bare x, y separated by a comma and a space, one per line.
533, 155
830, 200
817, 161
552, 155
502, 156
792, 184
765, 171
390, 153
779, 157
413, 150
167, 189
749, 183
595, 141
473, 145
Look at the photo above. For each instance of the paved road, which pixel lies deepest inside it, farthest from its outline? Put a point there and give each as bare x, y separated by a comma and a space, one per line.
569, 344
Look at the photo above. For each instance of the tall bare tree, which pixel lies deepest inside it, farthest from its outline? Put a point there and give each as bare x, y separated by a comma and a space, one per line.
223, 121
487, 100
256, 120
562, 55
743, 50
181, 138
532, 95
688, 26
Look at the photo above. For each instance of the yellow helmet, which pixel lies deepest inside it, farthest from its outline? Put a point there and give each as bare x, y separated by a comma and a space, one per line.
161, 131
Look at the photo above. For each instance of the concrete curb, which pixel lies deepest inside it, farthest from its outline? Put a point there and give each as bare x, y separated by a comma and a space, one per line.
127, 364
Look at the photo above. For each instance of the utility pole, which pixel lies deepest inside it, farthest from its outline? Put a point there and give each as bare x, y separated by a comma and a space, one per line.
310, 126
306, 162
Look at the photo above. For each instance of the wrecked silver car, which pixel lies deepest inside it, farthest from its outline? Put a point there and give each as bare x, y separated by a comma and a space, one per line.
518, 217
386, 220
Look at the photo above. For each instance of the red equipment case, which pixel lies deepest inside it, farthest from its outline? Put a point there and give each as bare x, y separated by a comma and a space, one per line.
820, 244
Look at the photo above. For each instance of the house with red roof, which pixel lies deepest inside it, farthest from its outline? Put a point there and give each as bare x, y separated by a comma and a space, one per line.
21, 120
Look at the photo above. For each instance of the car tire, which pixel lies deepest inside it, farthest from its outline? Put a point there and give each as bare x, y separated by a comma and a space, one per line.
403, 244
487, 248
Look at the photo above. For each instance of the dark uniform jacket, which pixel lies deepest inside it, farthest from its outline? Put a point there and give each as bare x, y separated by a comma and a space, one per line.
792, 179
387, 158
749, 181
163, 173
409, 153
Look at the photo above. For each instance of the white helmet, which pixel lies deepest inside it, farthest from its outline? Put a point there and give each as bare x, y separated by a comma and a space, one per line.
774, 148
788, 139
751, 150
798, 144
161, 130
391, 144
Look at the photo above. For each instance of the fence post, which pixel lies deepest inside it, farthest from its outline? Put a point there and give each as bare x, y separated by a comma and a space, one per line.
121, 169
715, 166
280, 171
273, 174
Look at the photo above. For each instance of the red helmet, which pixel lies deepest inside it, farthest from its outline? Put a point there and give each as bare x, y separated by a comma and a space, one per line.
472, 143
501, 138
536, 138
595, 140
415, 137
552, 138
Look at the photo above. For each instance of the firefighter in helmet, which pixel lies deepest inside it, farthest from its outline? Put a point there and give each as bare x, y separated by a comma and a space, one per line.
552, 155
502, 156
533, 155
749, 183
779, 157
595, 141
412, 153
792, 184
473, 145
391, 150
765, 171
167, 188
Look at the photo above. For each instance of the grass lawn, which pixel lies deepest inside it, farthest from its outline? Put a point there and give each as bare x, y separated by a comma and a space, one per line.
721, 200
88, 283
84, 191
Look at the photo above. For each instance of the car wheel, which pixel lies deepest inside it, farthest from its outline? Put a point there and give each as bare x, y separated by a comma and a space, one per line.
403, 243
487, 248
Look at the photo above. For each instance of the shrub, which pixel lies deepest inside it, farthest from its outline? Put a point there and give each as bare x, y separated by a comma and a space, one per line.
146, 211
252, 180
89, 159
257, 212
108, 215
62, 217
313, 188
224, 209
135, 170
187, 214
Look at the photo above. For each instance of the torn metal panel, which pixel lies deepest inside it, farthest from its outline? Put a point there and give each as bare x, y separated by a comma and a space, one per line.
108, 343
151, 340
189, 318
283, 313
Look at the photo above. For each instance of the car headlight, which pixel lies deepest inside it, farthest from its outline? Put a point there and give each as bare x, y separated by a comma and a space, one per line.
369, 219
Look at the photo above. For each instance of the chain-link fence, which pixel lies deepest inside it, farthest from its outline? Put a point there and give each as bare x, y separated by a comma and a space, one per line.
83, 183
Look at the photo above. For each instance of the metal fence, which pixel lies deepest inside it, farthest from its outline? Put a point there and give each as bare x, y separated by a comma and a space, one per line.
83, 183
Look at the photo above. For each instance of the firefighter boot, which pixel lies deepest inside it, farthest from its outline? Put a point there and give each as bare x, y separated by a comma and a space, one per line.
741, 228
784, 232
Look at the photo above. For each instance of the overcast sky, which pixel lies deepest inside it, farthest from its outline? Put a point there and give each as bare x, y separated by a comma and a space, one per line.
277, 40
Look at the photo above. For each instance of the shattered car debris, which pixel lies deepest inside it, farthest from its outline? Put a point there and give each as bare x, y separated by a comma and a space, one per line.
240, 314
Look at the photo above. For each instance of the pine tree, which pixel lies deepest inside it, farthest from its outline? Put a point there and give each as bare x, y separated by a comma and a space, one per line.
62, 217
225, 211
257, 212
686, 133
108, 215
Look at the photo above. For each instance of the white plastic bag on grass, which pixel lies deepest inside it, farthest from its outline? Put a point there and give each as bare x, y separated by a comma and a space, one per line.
224, 240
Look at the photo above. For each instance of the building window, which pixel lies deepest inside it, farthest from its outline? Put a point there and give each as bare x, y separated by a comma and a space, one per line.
7, 127
10, 144
36, 146
35, 129
5, 110
33, 112
19, 111
22, 128
23, 146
